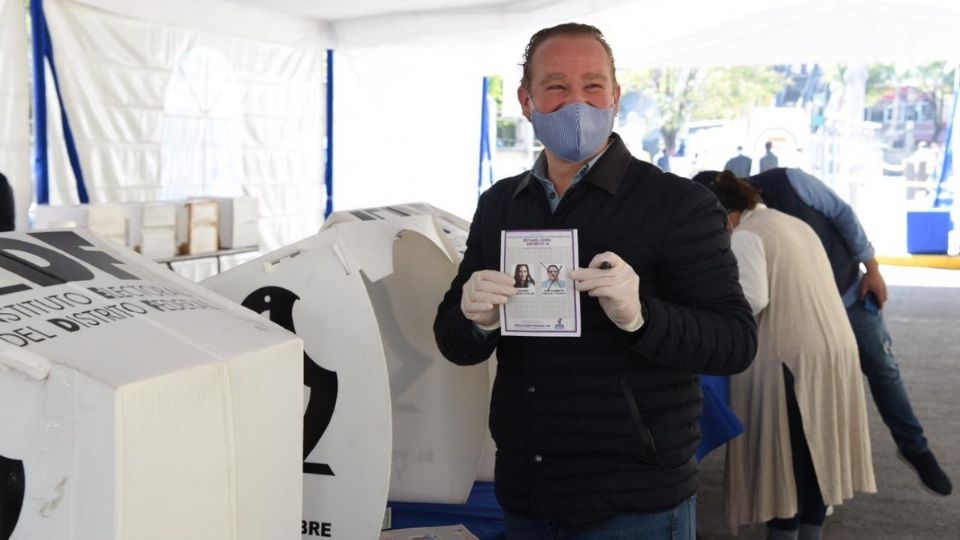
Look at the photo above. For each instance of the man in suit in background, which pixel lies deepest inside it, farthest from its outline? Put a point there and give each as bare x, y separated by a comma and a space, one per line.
769, 160
739, 164
663, 160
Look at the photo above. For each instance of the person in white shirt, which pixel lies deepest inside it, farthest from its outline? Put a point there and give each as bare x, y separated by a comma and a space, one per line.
802, 399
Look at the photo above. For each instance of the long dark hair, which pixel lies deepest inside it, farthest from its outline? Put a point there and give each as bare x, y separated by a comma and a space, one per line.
735, 194
516, 277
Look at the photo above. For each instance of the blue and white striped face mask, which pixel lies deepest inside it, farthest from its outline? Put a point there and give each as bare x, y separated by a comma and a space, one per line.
575, 131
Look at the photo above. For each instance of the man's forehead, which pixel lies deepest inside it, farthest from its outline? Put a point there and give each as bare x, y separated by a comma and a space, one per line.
570, 40
559, 76
562, 57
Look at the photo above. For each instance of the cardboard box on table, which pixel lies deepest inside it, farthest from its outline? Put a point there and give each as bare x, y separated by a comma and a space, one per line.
137, 405
105, 220
404, 418
454, 231
239, 219
198, 227
152, 229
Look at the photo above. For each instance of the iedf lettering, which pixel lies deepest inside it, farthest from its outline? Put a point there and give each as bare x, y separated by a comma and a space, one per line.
67, 263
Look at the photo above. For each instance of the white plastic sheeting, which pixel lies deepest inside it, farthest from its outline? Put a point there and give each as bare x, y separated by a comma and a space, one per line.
749, 32
406, 127
161, 111
407, 118
407, 115
430, 12
484, 18
15, 105
690, 32
62, 187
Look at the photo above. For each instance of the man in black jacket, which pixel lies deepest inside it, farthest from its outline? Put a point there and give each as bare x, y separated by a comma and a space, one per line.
596, 435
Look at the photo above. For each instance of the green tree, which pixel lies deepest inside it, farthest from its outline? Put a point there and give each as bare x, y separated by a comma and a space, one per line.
880, 78
933, 78
686, 94
937, 80
495, 90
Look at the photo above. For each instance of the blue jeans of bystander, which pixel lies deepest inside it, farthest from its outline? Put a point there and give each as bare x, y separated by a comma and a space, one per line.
883, 374
679, 523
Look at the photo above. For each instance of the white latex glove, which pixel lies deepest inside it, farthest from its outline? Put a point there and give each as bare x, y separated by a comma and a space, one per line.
482, 295
617, 288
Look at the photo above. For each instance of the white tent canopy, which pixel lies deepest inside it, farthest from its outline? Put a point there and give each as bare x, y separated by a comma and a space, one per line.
407, 83
684, 32
850, 31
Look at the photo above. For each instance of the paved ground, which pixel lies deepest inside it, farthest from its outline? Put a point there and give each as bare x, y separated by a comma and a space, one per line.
923, 316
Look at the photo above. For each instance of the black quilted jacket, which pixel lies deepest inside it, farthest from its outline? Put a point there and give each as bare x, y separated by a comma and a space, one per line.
605, 424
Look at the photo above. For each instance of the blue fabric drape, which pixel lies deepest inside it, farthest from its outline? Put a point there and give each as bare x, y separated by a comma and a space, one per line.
43, 50
328, 166
946, 170
485, 172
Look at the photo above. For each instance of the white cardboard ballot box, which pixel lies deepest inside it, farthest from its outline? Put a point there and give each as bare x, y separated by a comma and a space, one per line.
455, 231
409, 253
135, 404
365, 294
454, 228
313, 288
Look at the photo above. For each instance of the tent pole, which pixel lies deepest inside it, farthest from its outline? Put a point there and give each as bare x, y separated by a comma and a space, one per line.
40, 173
947, 168
43, 51
328, 166
485, 157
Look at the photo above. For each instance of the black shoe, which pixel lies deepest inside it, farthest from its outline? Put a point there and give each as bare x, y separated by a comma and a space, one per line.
929, 471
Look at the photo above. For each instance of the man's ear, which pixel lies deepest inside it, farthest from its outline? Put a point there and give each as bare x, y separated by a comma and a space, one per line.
616, 98
525, 102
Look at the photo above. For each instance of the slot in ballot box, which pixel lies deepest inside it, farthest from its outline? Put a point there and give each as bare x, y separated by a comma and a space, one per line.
136, 404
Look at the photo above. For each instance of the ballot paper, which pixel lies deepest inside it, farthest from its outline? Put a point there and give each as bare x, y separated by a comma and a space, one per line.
546, 303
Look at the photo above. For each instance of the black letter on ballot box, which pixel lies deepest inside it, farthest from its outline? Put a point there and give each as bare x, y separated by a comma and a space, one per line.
74, 244
12, 488
322, 382
60, 268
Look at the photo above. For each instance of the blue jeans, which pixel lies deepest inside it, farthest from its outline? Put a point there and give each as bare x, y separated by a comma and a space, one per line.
883, 374
680, 523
